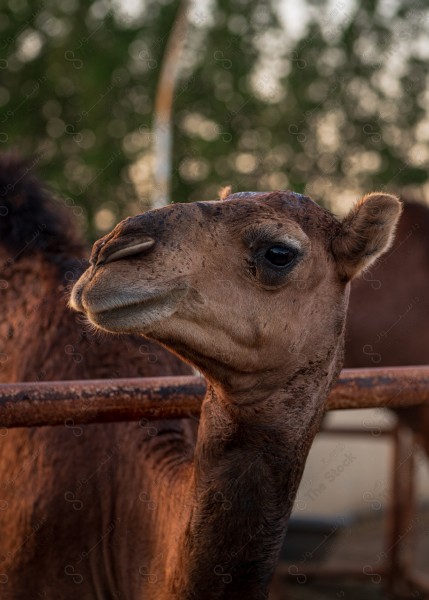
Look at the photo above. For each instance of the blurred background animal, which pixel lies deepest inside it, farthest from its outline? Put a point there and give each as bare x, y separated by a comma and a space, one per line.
388, 319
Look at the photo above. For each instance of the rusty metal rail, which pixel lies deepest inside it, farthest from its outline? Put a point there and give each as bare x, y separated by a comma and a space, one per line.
100, 401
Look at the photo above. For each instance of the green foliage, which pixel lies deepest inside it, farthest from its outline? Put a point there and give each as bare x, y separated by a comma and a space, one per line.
340, 111
79, 83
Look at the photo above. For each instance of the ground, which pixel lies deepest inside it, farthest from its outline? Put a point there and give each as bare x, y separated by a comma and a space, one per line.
359, 546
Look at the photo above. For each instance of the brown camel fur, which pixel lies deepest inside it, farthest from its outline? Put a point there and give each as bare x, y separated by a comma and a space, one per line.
253, 291
52, 479
42, 254
388, 320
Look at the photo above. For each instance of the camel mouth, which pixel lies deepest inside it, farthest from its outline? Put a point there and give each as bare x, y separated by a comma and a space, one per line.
137, 316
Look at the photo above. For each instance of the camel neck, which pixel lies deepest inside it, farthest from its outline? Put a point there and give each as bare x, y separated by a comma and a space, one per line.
246, 474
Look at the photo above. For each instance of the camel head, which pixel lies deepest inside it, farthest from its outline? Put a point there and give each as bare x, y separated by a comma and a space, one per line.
254, 284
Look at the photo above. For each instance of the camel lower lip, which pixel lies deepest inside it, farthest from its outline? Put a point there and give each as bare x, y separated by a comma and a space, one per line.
149, 302
112, 314
117, 311
125, 308
136, 316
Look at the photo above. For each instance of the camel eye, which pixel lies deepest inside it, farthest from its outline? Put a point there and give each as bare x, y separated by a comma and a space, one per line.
280, 256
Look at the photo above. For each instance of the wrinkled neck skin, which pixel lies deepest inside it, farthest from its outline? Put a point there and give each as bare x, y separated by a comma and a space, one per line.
248, 463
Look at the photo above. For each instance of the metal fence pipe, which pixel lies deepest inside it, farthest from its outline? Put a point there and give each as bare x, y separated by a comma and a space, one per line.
100, 401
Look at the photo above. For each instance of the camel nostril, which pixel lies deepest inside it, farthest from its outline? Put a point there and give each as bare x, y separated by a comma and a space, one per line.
111, 254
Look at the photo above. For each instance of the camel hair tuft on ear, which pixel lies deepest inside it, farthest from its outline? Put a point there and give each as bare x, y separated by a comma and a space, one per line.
366, 232
224, 192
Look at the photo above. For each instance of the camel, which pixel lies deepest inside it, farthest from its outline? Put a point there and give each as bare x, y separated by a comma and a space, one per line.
41, 255
388, 319
253, 291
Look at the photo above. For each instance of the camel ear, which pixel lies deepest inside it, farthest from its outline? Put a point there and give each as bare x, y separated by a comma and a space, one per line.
366, 232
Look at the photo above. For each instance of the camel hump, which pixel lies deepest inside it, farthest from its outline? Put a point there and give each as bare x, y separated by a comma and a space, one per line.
31, 219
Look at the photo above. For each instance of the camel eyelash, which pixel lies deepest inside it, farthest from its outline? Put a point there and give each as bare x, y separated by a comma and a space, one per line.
257, 238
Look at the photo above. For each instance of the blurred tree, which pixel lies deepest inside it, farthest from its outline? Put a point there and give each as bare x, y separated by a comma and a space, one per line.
339, 110
78, 82
360, 96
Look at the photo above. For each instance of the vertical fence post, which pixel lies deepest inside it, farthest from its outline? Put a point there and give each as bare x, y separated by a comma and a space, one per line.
162, 125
